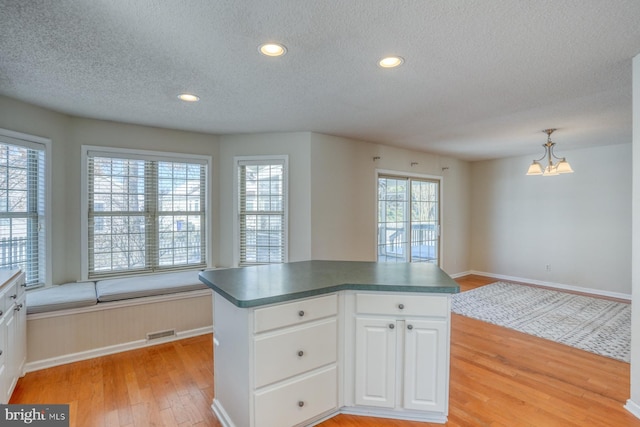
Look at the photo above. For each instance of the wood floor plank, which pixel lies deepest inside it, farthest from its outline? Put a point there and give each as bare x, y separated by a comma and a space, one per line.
499, 378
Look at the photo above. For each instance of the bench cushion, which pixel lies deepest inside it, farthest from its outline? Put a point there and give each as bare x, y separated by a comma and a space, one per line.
144, 286
62, 297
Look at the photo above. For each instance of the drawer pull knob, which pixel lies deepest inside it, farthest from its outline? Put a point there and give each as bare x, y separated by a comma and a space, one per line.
391, 326
301, 313
24, 285
14, 296
409, 327
300, 403
301, 353
401, 306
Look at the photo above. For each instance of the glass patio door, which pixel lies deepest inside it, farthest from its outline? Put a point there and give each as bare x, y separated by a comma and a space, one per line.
408, 219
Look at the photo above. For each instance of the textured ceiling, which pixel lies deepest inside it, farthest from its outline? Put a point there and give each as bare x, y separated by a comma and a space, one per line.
481, 79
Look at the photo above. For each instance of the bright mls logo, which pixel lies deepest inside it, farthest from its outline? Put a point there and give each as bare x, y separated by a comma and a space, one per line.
34, 415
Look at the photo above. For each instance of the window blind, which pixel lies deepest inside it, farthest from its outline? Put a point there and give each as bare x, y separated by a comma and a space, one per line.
145, 214
22, 209
262, 212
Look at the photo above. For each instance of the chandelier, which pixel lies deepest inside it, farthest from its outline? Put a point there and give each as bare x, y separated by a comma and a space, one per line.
550, 169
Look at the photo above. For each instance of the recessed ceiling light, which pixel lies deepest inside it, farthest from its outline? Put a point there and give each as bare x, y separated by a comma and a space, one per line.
391, 62
187, 97
273, 49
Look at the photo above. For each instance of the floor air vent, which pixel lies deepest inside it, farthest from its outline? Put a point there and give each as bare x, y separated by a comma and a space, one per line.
161, 334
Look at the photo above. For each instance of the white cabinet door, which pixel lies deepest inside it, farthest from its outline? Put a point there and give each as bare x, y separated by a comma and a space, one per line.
21, 336
375, 359
10, 359
16, 324
425, 354
4, 380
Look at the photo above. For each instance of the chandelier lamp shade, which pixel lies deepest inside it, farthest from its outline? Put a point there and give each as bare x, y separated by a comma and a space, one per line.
549, 168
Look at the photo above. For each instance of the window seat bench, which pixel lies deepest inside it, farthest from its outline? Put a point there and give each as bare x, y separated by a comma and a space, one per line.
86, 294
78, 321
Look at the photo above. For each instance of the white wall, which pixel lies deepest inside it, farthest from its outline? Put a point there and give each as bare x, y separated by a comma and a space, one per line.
579, 224
296, 146
343, 198
68, 134
634, 402
332, 190
122, 135
21, 117
324, 171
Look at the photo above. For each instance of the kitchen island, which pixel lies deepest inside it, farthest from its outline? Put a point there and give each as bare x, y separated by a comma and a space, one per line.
297, 343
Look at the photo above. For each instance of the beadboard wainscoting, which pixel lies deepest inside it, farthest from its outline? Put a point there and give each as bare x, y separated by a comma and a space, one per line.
64, 336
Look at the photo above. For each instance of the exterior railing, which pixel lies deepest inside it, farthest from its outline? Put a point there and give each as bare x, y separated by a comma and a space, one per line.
13, 252
392, 242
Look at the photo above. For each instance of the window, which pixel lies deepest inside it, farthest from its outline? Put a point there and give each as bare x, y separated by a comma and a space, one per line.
23, 205
262, 210
408, 219
145, 212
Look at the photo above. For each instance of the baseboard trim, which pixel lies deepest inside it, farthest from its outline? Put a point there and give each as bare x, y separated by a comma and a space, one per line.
424, 417
633, 407
554, 285
457, 275
221, 414
117, 348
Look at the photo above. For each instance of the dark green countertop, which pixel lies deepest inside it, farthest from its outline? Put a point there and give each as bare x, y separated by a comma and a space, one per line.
268, 284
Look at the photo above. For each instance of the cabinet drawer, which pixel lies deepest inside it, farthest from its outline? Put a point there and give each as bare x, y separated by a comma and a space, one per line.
297, 401
295, 351
8, 298
295, 312
403, 304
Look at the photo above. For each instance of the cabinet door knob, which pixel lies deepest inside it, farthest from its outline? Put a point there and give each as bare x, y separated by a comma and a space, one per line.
401, 306
0, 352
24, 285
301, 353
391, 326
300, 403
409, 327
1, 312
14, 296
301, 313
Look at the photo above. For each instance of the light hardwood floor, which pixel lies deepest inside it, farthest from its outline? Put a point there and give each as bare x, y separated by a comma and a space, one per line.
499, 377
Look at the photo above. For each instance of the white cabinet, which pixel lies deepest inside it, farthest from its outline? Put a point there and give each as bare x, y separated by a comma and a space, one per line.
401, 354
426, 364
13, 330
375, 362
276, 366
366, 353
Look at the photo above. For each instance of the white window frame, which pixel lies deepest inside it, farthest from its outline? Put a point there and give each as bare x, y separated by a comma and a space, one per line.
403, 174
145, 154
26, 140
237, 160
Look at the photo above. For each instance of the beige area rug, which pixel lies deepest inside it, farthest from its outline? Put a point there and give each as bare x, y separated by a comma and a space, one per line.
593, 324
